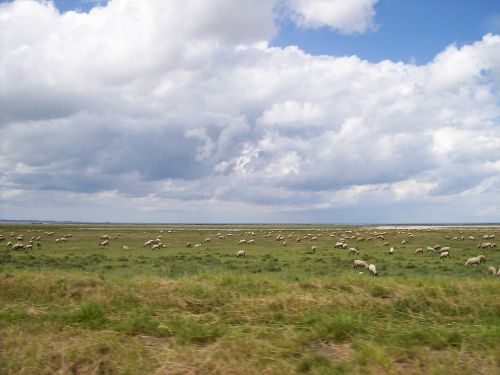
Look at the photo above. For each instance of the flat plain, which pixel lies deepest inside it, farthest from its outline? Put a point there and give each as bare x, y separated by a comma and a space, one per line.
76, 307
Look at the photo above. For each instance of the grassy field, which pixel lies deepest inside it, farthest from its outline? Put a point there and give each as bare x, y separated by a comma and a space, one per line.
78, 308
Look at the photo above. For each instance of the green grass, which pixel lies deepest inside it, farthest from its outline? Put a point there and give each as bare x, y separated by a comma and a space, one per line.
77, 308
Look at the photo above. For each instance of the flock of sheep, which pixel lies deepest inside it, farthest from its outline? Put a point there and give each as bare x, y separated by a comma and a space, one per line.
341, 237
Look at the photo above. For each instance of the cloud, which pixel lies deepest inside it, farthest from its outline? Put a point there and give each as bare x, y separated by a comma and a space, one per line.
353, 16
155, 111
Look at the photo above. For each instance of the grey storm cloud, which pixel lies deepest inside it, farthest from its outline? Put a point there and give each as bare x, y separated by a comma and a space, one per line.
175, 106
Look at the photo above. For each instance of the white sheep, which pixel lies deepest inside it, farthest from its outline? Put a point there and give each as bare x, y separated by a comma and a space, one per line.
391, 251
359, 263
444, 254
241, 253
189, 244
403, 242
197, 245
38, 244
104, 243
445, 248
124, 247
251, 242
284, 243
313, 248
353, 251
419, 251
482, 259
492, 270
155, 246
241, 242
372, 270
473, 260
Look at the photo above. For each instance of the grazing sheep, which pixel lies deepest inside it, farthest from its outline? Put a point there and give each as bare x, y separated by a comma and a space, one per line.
2, 238
251, 242
403, 242
492, 270
498, 272
436, 247
30, 246
386, 244
372, 270
445, 248
493, 244
284, 243
19, 238
156, 246
207, 239
359, 263
474, 260
147, 243
482, 259
105, 237
298, 240
189, 244
314, 238
9, 244
444, 254
124, 247
241, 242
353, 250
431, 249
241, 253
313, 249
69, 235
18, 246
419, 251
472, 238
104, 243
391, 251
339, 245
38, 244
58, 240
197, 245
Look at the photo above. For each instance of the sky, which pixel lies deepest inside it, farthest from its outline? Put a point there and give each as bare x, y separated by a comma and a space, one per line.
272, 111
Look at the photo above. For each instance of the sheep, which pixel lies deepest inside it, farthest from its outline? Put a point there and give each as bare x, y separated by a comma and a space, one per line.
445, 248
472, 238
147, 243
19, 238
124, 247
156, 246
69, 235
372, 270
298, 240
403, 242
339, 245
493, 244
2, 238
38, 244
105, 237
314, 238
18, 246
386, 244
284, 243
482, 259
391, 251
189, 244
419, 251
444, 254
9, 244
29, 246
207, 239
431, 249
197, 245
473, 260
104, 243
241, 253
492, 270
353, 250
498, 272
436, 247
241, 242
359, 263
313, 249
58, 240
251, 242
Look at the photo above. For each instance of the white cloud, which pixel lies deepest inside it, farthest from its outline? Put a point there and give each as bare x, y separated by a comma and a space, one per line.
353, 16
154, 111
